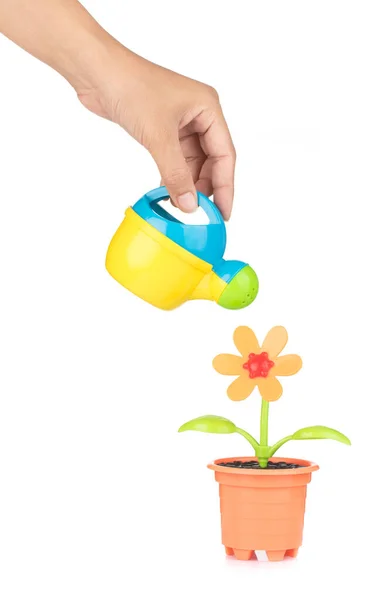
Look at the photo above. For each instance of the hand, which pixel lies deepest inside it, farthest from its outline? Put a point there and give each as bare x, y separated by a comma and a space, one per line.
177, 119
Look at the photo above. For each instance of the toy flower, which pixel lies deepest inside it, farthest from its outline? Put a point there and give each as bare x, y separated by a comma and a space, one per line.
258, 366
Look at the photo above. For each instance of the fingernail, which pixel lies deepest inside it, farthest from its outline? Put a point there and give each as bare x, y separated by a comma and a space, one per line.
187, 202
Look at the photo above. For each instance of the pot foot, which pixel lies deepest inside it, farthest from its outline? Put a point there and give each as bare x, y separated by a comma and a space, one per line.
229, 551
243, 554
275, 555
292, 553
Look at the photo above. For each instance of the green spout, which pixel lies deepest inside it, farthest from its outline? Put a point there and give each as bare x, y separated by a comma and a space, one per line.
241, 290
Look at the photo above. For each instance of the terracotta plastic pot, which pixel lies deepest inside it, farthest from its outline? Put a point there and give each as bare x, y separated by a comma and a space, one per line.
262, 509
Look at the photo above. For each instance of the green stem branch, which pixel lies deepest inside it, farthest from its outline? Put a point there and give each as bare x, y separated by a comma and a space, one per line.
249, 438
279, 444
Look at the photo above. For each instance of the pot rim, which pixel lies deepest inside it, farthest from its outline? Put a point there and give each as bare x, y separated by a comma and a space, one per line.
308, 467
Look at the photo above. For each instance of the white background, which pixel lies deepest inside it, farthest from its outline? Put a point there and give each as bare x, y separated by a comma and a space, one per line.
100, 497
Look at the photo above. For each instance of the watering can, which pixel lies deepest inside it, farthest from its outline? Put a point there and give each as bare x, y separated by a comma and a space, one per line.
166, 262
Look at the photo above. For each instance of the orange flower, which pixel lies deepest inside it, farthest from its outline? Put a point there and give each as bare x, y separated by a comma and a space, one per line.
257, 366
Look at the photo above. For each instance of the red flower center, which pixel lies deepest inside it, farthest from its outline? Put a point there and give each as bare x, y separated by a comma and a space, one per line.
258, 365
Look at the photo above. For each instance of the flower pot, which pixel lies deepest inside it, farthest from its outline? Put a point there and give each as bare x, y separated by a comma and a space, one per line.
262, 509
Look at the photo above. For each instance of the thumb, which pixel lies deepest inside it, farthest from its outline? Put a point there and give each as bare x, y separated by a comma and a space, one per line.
176, 175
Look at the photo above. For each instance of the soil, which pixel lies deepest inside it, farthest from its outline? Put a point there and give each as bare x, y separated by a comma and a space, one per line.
254, 464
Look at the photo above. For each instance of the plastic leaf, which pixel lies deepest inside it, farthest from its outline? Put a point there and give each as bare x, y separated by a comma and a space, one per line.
209, 424
319, 432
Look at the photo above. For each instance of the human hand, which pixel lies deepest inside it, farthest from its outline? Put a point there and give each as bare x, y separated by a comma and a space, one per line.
177, 119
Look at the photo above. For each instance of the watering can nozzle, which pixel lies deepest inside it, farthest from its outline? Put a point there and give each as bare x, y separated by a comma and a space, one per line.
242, 284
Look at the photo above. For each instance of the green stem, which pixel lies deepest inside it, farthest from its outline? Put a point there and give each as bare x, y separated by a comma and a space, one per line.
249, 438
264, 423
264, 448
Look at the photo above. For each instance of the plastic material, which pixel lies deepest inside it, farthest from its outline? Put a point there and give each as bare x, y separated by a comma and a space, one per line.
209, 424
241, 290
262, 509
258, 365
166, 262
205, 241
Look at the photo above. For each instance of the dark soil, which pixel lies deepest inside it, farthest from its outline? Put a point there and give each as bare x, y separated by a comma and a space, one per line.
254, 464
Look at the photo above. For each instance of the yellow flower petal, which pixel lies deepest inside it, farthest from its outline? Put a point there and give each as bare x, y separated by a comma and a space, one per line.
286, 365
245, 341
228, 364
270, 388
275, 341
241, 388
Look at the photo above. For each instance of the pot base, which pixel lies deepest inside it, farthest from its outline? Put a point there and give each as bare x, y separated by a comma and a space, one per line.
272, 555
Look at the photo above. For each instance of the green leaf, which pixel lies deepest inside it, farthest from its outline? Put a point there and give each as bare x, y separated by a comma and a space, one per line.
319, 432
209, 424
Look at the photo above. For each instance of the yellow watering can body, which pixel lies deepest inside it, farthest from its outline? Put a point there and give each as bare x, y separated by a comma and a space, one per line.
166, 262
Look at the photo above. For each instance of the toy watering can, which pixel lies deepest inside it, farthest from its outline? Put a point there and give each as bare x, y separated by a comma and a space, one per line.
166, 262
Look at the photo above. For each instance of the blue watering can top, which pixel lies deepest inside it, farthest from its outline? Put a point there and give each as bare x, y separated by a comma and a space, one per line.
205, 241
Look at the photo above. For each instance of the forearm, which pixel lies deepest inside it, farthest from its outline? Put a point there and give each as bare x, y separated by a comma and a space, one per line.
62, 34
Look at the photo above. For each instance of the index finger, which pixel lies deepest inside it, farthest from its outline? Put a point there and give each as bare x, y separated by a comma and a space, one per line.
216, 141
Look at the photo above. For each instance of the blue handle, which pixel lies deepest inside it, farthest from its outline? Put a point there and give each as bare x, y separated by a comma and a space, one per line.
205, 241
209, 207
